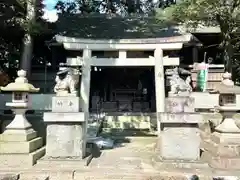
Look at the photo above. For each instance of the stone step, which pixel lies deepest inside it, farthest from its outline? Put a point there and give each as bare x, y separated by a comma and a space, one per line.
9, 147
21, 160
45, 163
47, 175
9, 176
105, 175
79, 175
35, 177
113, 174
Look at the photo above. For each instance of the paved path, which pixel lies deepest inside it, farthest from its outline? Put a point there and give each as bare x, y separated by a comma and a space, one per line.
129, 160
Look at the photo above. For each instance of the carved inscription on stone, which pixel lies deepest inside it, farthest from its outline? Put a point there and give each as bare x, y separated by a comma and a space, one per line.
65, 104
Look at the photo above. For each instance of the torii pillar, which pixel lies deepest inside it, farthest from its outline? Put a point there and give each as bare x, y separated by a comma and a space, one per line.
159, 85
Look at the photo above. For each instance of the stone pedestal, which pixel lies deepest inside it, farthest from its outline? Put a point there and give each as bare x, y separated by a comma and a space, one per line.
66, 140
19, 144
179, 143
64, 134
222, 149
180, 138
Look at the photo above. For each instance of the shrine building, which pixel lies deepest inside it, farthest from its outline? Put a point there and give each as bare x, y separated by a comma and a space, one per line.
123, 61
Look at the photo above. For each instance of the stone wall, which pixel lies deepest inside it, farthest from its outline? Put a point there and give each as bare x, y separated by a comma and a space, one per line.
43, 102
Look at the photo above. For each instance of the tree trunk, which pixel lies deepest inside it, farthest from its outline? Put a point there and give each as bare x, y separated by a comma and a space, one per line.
27, 49
228, 55
26, 59
226, 44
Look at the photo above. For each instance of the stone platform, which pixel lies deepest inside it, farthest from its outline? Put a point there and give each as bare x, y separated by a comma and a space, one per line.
46, 163
131, 159
180, 164
20, 149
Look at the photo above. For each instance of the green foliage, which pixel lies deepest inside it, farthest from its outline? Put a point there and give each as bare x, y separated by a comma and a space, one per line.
14, 24
225, 13
122, 8
166, 14
222, 13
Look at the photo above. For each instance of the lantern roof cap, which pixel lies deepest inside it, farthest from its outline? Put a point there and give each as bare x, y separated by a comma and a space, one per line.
21, 84
227, 86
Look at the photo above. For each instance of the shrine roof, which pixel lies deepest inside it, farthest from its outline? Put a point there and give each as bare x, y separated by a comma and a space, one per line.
102, 29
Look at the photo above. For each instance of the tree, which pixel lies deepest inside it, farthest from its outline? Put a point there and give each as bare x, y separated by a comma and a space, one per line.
121, 7
20, 21
222, 13
11, 32
32, 25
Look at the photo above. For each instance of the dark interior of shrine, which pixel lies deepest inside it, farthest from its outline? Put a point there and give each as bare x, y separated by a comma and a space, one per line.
122, 89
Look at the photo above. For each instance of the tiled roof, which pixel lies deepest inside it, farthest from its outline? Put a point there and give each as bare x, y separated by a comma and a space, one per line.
101, 27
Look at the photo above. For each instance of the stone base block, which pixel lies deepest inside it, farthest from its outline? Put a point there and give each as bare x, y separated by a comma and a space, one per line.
223, 138
18, 136
9, 147
225, 150
220, 162
59, 117
161, 164
222, 151
65, 140
21, 160
180, 143
71, 163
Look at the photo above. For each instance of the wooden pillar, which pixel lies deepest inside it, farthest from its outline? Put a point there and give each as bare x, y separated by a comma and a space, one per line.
54, 58
159, 85
195, 54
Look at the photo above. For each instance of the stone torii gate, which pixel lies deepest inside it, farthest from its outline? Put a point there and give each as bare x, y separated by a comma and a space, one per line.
158, 45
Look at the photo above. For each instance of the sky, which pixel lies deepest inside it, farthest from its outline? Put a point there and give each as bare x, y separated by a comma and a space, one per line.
50, 14
50, 4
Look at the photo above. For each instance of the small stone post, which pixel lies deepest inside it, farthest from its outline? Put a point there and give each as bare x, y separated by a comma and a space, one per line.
19, 144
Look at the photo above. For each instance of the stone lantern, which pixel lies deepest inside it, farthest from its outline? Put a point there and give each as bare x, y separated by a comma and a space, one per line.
19, 141
221, 150
228, 104
20, 100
